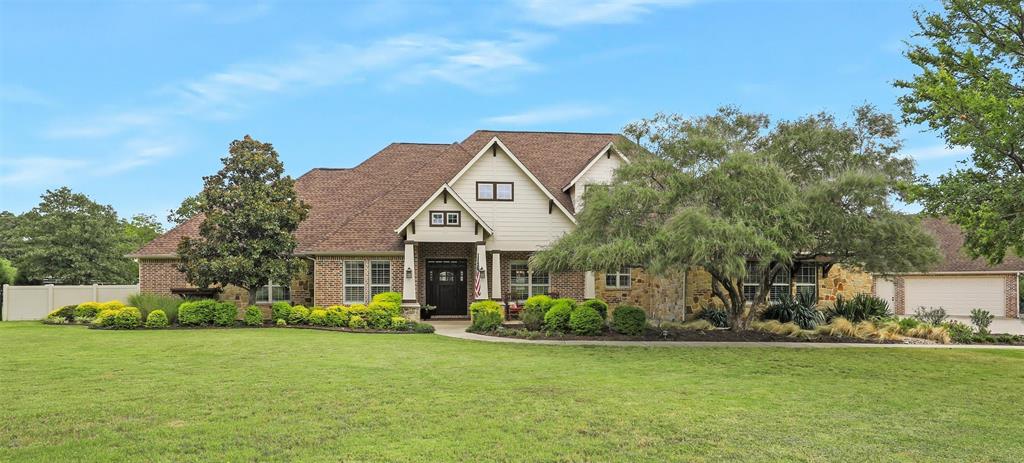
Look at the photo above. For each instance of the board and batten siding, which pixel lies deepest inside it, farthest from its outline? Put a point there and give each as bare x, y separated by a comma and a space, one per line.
523, 224
601, 173
467, 232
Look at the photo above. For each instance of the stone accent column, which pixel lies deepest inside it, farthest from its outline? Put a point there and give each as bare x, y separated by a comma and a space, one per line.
481, 267
496, 276
409, 276
589, 286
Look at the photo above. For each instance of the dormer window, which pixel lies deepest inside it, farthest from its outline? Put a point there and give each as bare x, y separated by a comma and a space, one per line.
495, 191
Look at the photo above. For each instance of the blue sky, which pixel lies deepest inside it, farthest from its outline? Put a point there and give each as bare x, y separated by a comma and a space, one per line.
133, 102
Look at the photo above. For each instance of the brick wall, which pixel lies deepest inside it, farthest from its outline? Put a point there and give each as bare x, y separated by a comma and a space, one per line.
329, 281
1012, 298
160, 275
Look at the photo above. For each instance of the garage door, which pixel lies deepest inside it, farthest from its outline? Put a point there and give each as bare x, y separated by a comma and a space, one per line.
958, 295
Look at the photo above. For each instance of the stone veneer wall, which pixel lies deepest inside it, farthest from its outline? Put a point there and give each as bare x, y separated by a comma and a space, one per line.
329, 281
661, 297
847, 282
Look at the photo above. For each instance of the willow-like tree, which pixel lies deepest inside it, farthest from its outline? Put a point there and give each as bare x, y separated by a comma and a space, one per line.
970, 89
719, 191
250, 209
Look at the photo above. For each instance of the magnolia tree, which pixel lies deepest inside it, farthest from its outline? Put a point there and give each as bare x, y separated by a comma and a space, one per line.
719, 191
250, 209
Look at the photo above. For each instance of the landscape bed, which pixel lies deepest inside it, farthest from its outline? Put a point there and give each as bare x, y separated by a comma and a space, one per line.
76, 394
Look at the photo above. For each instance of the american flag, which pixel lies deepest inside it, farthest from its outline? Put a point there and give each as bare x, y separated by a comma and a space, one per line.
476, 284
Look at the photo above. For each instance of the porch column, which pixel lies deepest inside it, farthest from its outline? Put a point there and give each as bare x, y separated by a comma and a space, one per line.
589, 291
481, 267
496, 276
409, 276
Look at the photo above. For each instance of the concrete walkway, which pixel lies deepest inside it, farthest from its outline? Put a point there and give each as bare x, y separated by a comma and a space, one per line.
457, 329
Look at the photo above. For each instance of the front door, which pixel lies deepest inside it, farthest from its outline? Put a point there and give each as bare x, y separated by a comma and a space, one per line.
446, 286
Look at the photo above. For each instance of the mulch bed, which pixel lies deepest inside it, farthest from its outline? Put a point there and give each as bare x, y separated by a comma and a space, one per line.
693, 335
237, 326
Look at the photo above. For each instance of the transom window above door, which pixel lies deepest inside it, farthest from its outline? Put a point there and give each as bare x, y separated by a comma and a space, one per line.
495, 191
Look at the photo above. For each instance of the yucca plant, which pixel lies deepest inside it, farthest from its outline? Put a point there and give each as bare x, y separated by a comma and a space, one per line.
804, 313
860, 308
715, 315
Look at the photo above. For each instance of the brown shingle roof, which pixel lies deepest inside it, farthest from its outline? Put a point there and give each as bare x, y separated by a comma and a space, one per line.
358, 209
950, 240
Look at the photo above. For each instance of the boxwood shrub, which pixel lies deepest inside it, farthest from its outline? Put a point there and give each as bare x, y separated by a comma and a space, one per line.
486, 320
298, 315
127, 318
389, 297
253, 316
357, 323
157, 319
399, 323
534, 310
629, 320
600, 306
486, 305
337, 315
586, 321
66, 313
87, 310
280, 311
225, 313
196, 312
557, 318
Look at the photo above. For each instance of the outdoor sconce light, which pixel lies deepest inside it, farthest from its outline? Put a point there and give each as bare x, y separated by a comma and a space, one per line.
408, 272
482, 269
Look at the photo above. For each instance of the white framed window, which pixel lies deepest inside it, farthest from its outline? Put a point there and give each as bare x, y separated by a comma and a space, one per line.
503, 191
437, 219
272, 293
525, 282
780, 285
619, 279
495, 191
807, 280
380, 277
485, 191
355, 279
453, 219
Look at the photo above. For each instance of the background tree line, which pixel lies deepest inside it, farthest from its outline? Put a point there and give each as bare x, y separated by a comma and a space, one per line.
70, 239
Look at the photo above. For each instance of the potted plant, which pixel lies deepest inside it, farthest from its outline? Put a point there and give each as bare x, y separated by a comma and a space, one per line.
426, 310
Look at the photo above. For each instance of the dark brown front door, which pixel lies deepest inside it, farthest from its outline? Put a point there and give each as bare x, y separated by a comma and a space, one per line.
446, 286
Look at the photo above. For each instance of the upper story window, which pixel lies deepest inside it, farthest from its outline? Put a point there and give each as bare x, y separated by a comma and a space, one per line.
445, 218
495, 191
618, 280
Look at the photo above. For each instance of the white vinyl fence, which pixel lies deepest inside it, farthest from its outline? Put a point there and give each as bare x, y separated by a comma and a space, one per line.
34, 302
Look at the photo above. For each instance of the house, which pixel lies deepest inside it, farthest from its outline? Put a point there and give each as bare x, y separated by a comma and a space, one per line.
447, 224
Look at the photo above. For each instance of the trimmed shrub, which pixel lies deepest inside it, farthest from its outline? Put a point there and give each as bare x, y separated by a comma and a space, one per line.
486, 320
225, 313
196, 312
717, 316
280, 310
127, 318
281, 322
378, 318
565, 300
557, 318
585, 320
298, 315
542, 301
600, 306
337, 315
317, 317
87, 310
420, 327
392, 308
148, 302
390, 297
486, 306
157, 319
253, 316
981, 319
930, 315
66, 313
357, 323
111, 305
629, 320
533, 317
399, 323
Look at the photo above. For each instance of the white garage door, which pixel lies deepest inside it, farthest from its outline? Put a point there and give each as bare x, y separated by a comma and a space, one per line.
958, 295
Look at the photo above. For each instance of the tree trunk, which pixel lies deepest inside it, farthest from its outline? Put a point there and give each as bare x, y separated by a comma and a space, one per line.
252, 296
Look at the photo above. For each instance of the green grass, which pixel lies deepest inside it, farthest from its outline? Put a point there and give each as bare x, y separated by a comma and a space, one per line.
73, 394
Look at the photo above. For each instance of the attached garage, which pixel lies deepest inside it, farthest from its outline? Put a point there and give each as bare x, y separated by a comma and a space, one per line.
957, 294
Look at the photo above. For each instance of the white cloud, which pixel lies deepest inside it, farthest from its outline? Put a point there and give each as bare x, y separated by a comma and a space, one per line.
936, 152
103, 125
573, 12
549, 115
37, 169
138, 153
18, 94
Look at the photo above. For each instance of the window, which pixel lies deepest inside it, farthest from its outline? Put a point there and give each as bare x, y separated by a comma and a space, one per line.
780, 285
525, 282
495, 191
807, 281
355, 293
380, 277
445, 218
618, 280
273, 293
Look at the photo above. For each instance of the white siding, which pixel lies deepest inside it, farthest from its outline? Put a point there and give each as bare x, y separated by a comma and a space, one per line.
957, 294
465, 233
520, 225
602, 172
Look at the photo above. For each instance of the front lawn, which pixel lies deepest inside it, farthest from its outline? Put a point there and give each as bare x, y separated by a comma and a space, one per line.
71, 393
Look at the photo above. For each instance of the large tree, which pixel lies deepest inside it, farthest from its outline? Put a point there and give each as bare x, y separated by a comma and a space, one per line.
250, 209
971, 89
728, 189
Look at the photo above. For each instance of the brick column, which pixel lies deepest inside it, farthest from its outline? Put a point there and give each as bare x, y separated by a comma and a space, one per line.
1012, 296
901, 300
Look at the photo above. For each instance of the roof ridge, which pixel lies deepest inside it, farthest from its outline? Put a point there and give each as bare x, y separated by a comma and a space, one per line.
553, 132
